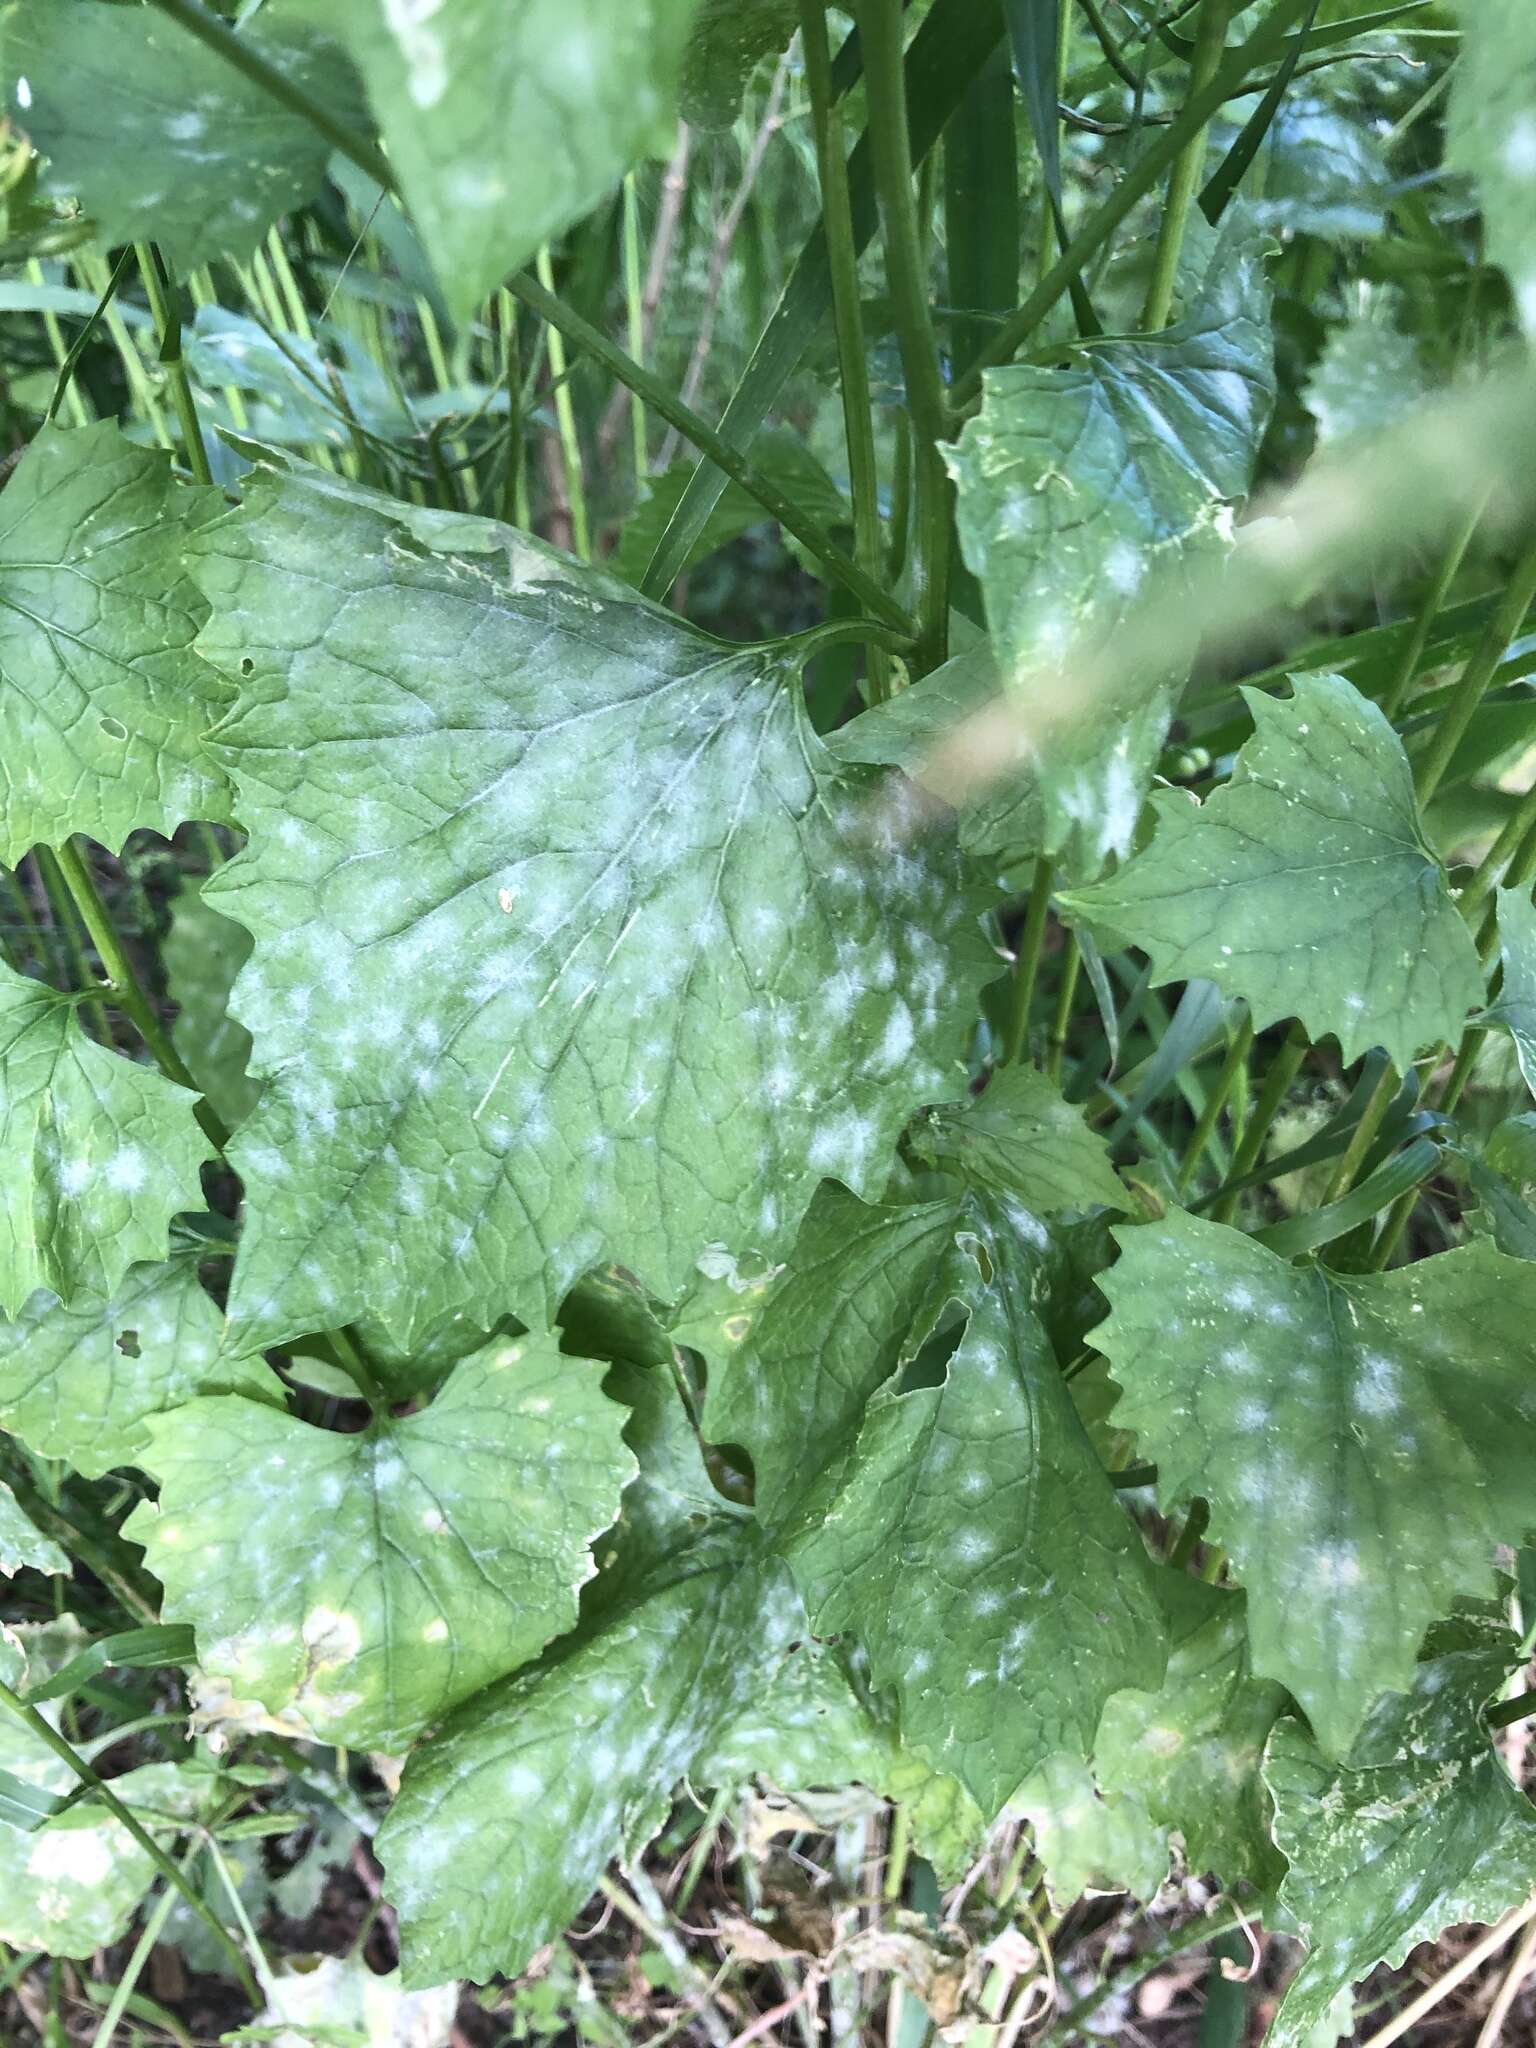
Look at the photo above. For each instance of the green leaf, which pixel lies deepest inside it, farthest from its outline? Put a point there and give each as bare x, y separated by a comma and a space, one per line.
546, 885
503, 128
162, 138
1304, 884
105, 699
370, 1582
727, 42
80, 1382
26, 1806
202, 954
72, 1885
958, 1525
1364, 1440
1087, 1837
1419, 1829
131, 1649
1504, 1180
1367, 378
1020, 1141
506, 1820
1077, 484
1515, 1008
22, 1546
813, 1727
1492, 135
96, 1154
1189, 1753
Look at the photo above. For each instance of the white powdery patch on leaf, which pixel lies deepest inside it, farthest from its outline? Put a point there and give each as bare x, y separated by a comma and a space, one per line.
571, 940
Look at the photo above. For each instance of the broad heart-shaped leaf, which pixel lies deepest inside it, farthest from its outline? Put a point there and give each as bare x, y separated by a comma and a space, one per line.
505, 125
22, 1545
1304, 884
572, 943
202, 954
1515, 1009
1493, 135
1188, 1755
1417, 1830
1078, 484
1020, 1141
72, 1886
159, 136
79, 1382
373, 1581
506, 1820
96, 1154
103, 699
963, 1532
1364, 1441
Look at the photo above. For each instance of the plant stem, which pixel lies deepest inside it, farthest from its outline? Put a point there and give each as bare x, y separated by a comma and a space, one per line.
77, 965
134, 1597
1283, 1071
1505, 622
634, 301
582, 334
565, 420
158, 289
1142, 1966
1364, 1134
129, 991
847, 315
514, 485
881, 26
123, 1989
1056, 1044
1027, 964
32, 1720
65, 389
1137, 182
1215, 1102
1184, 180
1392, 698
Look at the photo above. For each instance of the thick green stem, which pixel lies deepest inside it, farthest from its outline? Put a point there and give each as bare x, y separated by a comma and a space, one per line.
33, 1721
634, 309
1184, 181
1027, 964
1364, 1134
1056, 1044
1277, 1082
159, 290
881, 32
1508, 617
847, 314
1141, 179
77, 964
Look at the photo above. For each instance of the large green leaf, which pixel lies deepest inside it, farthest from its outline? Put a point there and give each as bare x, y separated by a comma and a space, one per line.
814, 1727
1304, 884
504, 126
950, 1515
160, 137
202, 954
572, 943
1077, 485
71, 1887
79, 1382
506, 1820
1188, 1755
96, 1154
1020, 1141
372, 1581
1089, 1838
1515, 1009
1493, 135
1417, 1830
1364, 1440
105, 699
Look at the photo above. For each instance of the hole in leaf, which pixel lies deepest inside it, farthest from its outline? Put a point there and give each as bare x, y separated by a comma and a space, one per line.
114, 728
128, 1343
247, 666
